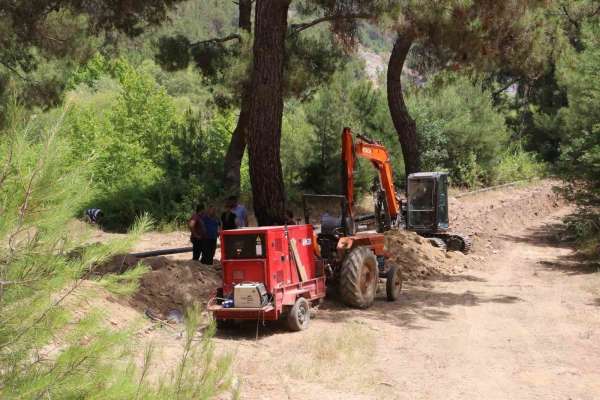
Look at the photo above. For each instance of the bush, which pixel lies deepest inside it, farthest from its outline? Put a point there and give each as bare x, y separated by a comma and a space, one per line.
516, 164
459, 130
147, 157
350, 100
579, 163
43, 264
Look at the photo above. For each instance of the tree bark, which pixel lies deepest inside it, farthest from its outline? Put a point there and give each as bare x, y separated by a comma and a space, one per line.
266, 111
235, 152
237, 145
404, 124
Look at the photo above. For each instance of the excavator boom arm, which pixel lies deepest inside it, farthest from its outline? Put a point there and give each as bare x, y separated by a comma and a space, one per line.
379, 157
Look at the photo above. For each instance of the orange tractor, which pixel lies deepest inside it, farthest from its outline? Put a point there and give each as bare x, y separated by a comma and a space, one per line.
354, 261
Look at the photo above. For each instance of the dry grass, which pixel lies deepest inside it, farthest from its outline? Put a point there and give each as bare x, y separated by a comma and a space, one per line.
337, 357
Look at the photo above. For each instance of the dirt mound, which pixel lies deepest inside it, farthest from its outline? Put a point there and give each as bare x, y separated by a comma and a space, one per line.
484, 216
419, 259
175, 285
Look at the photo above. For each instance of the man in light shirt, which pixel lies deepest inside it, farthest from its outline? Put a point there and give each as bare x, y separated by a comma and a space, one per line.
241, 215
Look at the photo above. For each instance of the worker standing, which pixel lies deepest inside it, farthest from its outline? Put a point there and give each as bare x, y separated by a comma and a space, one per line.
197, 232
228, 218
289, 217
93, 215
212, 226
241, 215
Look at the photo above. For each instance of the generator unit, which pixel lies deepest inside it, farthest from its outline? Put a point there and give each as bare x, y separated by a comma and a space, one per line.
269, 272
249, 295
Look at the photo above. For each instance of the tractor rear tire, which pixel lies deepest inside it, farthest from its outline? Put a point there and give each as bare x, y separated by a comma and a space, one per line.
299, 316
359, 278
393, 283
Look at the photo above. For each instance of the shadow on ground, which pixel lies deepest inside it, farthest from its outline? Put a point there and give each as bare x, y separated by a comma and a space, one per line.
554, 235
547, 235
417, 303
456, 278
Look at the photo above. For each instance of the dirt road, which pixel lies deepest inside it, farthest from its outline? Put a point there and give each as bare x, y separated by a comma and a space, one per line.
521, 321
524, 324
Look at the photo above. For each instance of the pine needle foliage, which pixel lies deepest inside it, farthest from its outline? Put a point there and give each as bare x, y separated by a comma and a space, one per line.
47, 351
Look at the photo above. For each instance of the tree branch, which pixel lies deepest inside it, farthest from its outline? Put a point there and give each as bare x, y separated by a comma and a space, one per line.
16, 72
573, 21
297, 28
6, 168
233, 36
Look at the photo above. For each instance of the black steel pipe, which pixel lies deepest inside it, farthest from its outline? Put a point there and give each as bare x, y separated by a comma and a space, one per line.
162, 252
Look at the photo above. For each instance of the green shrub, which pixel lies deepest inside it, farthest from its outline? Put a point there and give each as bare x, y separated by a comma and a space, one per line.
459, 130
43, 263
579, 162
517, 164
349, 100
147, 156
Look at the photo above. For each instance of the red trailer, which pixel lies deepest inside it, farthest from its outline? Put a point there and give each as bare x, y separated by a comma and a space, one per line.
269, 272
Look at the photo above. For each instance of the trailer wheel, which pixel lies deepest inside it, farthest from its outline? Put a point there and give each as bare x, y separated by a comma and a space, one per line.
358, 278
393, 283
299, 316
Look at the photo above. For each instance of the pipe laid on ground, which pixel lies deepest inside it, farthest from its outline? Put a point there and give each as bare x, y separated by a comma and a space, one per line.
162, 252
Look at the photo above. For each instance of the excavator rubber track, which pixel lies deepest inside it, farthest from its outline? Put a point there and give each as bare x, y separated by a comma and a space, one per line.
437, 242
453, 241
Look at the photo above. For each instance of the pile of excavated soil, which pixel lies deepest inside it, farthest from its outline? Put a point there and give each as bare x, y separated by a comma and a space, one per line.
175, 285
418, 259
171, 285
484, 215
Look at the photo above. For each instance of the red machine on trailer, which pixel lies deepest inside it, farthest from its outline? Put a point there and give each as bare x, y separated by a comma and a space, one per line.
269, 272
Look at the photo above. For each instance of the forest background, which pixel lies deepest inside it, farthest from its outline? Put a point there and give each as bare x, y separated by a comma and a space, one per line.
133, 107
152, 114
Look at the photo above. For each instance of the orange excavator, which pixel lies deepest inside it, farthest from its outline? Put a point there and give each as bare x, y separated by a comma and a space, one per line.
354, 260
425, 210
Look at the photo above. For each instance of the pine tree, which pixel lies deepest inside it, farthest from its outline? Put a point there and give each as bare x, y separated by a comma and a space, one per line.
479, 33
44, 263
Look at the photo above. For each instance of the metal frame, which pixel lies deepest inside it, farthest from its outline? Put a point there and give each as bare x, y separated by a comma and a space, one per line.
343, 205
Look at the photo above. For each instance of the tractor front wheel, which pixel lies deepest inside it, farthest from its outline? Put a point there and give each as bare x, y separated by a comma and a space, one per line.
358, 278
393, 283
299, 315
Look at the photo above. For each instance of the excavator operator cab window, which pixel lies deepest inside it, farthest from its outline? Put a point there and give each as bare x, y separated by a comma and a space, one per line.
421, 202
442, 213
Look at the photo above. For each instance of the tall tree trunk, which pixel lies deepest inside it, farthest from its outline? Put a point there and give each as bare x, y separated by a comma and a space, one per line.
266, 111
404, 124
237, 145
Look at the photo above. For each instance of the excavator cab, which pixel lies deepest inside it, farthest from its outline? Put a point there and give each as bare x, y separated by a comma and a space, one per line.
427, 203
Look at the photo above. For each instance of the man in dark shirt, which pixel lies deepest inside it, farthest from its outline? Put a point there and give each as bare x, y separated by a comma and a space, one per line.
228, 218
211, 228
197, 231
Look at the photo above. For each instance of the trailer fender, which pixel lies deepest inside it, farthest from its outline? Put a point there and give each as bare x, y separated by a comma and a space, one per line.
290, 297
